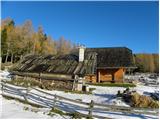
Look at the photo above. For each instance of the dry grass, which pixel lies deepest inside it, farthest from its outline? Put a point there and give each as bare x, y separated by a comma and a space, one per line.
25, 83
138, 100
126, 85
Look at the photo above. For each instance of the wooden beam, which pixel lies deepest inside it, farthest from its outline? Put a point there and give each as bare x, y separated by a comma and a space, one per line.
99, 76
123, 74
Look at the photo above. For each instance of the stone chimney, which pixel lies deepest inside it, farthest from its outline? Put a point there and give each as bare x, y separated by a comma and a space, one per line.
81, 52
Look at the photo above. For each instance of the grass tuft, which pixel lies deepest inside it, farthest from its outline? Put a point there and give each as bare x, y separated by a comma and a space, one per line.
25, 108
126, 85
55, 110
75, 115
25, 83
78, 92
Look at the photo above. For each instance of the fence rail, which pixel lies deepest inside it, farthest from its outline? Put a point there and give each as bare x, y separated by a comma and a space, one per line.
46, 99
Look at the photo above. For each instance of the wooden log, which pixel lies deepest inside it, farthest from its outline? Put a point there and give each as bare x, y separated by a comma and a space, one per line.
12, 86
12, 92
45, 76
47, 98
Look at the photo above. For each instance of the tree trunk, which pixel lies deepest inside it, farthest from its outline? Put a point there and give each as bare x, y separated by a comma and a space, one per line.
7, 56
21, 57
12, 58
34, 47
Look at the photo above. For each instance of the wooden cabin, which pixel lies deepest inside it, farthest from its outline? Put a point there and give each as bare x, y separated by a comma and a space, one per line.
92, 64
111, 64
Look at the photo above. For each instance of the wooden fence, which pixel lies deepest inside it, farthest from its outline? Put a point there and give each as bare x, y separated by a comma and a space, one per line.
45, 99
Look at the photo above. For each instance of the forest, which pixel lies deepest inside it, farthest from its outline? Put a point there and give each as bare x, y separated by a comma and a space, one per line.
18, 41
147, 62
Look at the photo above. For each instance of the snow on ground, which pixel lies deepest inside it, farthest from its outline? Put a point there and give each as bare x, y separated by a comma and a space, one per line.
15, 109
103, 95
145, 89
5, 75
119, 115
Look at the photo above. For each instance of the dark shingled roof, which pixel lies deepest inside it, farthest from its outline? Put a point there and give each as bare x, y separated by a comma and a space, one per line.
69, 64
113, 57
65, 64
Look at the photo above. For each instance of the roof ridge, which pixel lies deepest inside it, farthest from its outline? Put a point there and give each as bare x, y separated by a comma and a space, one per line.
106, 47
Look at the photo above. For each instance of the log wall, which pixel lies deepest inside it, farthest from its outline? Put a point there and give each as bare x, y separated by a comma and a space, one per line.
106, 75
50, 84
91, 78
109, 75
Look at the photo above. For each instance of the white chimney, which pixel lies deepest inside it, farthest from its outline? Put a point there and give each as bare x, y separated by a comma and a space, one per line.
81, 53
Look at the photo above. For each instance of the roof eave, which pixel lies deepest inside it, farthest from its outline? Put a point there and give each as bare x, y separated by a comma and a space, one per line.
116, 67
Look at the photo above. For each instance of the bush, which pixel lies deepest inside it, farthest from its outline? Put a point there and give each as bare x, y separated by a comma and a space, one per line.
91, 89
119, 93
55, 110
75, 115
89, 117
114, 84
127, 89
25, 108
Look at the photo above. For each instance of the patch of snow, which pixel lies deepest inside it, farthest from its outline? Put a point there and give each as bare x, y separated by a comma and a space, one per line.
5, 75
141, 89
103, 95
119, 115
14, 109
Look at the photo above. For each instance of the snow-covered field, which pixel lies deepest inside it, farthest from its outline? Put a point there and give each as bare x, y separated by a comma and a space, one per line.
103, 95
148, 79
15, 109
5, 75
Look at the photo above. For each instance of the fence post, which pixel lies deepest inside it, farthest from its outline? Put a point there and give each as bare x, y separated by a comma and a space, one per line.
2, 88
40, 78
91, 105
54, 102
26, 94
16, 77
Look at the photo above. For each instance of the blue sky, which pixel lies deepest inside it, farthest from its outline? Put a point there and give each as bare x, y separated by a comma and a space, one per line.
95, 24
